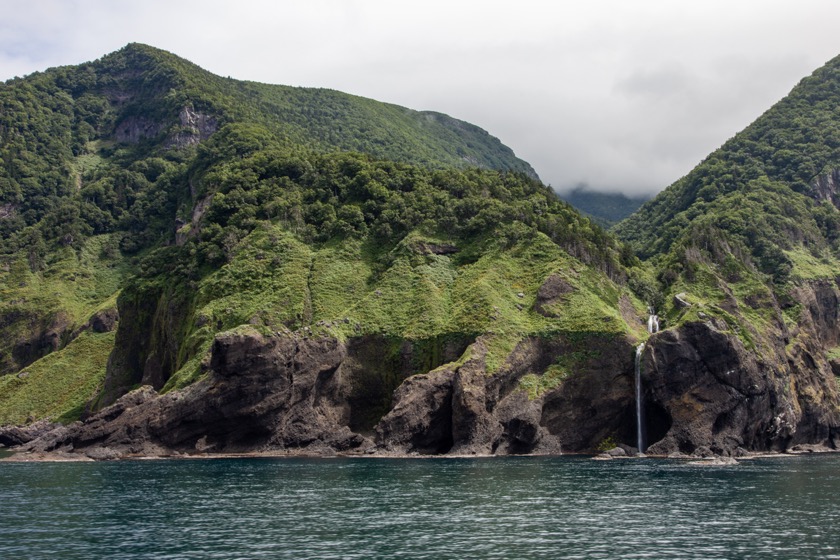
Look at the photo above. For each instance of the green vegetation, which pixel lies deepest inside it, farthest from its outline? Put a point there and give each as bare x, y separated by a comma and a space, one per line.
760, 189
606, 444
198, 204
56, 298
537, 385
59, 385
754, 219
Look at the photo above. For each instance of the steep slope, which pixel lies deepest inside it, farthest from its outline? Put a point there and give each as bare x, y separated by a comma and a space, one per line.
194, 264
769, 189
747, 251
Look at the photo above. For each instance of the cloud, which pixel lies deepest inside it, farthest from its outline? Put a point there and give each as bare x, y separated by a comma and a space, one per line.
618, 95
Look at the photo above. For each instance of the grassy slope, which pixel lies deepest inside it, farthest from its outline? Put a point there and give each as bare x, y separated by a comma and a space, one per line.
59, 385
73, 286
749, 223
275, 281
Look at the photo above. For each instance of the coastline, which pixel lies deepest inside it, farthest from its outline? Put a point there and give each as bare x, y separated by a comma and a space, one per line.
8, 455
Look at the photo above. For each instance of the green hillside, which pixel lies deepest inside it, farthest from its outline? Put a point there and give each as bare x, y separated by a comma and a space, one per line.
757, 220
194, 204
761, 190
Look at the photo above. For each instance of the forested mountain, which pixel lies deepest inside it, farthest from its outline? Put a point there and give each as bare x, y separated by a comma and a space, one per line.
767, 191
103, 161
151, 211
606, 208
194, 264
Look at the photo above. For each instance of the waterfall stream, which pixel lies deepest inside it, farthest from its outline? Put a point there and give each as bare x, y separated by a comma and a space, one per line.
653, 322
652, 327
640, 436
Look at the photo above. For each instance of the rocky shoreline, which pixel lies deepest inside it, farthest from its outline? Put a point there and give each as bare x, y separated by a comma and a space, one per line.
711, 460
288, 393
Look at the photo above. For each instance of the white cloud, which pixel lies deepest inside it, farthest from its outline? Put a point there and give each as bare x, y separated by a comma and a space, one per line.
620, 95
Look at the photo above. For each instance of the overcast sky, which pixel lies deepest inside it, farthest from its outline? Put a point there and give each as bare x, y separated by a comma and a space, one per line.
617, 95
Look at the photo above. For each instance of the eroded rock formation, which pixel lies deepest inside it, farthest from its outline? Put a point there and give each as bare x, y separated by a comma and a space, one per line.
705, 392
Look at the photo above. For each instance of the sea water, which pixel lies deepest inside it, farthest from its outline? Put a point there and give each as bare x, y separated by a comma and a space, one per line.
516, 507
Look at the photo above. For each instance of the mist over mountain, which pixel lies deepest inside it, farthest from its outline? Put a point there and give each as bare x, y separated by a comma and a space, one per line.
607, 208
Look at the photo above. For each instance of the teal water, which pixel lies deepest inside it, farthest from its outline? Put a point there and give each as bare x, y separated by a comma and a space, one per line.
520, 507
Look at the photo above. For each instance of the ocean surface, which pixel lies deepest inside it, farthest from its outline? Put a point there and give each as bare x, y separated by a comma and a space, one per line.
518, 507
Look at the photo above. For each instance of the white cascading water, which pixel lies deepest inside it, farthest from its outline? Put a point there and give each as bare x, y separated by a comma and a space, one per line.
653, 327
639, 432
653, 322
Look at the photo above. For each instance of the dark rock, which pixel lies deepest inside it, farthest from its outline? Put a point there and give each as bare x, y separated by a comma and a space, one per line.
629, 450
261, 393
680, 302
42, 336
703, 452
474, 429
462, 410
432, 248
421, 418
12, 436
713, 396
104, 321
705, 394
598, 401
135, 128
805, 448
552, 291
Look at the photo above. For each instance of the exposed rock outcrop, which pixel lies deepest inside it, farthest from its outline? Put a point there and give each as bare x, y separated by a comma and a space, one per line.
133, 129
42, 336
193, 127
825, 187
462, 409
261, 392
552, 291
705, 393
705, 389
12, 436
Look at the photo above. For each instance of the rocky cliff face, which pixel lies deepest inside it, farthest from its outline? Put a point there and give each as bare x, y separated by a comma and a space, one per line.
291, 392
193, 127
260, 393
704, 392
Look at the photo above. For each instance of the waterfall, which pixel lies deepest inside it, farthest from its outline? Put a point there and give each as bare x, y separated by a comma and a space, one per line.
653, 328
640, 443
653, 322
